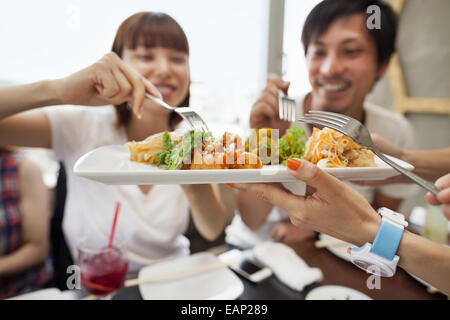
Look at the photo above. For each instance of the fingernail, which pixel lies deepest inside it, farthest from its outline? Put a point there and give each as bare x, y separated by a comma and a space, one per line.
157, 94
293, 164
231, 185
139, 116
440, 183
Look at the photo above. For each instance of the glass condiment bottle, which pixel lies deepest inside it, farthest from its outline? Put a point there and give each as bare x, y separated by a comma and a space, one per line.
436, 225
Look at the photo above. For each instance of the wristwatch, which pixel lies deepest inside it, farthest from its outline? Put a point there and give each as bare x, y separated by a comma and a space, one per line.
380, 257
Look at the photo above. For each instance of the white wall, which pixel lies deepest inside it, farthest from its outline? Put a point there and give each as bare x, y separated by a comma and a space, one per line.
423, 45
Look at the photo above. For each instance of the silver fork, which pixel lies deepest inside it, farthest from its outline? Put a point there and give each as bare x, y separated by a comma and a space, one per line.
192, 117
286, 108
356, 131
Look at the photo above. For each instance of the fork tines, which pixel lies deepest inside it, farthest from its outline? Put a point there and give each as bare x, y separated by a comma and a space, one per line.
193, 118
330, 114
287, 108
327, 119
356, 131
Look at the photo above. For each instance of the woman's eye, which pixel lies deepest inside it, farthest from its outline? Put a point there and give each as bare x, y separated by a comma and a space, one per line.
145, 57
178, 59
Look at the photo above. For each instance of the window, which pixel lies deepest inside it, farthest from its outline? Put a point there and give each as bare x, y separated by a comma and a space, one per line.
294, 63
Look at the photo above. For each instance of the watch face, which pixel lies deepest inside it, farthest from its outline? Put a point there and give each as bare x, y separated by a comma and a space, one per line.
362, 264
370, 268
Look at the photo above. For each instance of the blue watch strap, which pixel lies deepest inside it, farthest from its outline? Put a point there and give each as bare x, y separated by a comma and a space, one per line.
387, 240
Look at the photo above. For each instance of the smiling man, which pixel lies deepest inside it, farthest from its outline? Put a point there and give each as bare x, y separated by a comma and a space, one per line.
345, 58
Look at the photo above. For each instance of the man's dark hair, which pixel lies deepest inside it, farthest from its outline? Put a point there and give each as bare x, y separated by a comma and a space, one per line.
327, 11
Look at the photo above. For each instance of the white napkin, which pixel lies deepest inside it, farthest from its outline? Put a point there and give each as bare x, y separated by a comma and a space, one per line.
287, 266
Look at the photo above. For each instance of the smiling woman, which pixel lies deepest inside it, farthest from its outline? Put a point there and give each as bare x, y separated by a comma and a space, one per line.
154, 216
153, 44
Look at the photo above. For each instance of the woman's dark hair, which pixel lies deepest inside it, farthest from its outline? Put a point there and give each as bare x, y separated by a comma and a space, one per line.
327, 11
150, 30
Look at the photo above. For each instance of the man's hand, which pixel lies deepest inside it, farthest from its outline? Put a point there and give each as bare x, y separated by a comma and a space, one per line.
286, 232
386, 147
264, 113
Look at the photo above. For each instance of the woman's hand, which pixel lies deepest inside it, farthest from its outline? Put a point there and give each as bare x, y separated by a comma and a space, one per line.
442, 197
107, 81
338, 210
332, 207
207, 209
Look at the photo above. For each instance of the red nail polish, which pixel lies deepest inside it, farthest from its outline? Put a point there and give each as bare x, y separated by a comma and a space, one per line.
293, 164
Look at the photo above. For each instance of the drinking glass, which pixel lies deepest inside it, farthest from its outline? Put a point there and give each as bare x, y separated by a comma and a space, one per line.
103, 270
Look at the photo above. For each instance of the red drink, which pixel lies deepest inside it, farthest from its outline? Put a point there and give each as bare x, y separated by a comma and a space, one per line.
104, 271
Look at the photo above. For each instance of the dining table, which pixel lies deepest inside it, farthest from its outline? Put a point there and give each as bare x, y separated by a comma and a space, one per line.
336, 271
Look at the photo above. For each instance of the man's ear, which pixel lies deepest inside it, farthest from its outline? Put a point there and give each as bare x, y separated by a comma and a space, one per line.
382, 70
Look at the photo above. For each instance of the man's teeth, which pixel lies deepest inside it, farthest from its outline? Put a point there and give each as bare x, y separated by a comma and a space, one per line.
334, 87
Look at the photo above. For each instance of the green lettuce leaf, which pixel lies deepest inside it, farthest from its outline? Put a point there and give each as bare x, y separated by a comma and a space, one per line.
292, 144
177, 153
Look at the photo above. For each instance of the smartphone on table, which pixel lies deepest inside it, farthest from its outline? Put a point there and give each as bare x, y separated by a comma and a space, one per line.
245, 266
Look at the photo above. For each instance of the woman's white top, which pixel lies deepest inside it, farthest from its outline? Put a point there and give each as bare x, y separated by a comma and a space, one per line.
151, 225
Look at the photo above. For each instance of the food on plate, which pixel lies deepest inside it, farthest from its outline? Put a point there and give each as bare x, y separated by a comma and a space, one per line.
260, 143
292, 144
328, 148
193, 151
146, 150
264, 142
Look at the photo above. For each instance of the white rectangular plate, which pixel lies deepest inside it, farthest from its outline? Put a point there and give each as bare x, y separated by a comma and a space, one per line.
111, 165
218, 284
